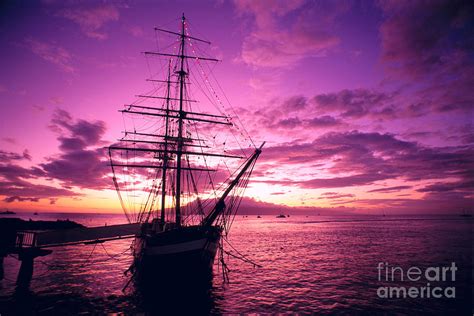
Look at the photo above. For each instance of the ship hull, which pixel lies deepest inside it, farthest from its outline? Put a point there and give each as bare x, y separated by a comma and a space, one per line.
185, 253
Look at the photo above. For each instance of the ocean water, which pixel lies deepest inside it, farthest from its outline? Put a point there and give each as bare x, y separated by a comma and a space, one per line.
314, 264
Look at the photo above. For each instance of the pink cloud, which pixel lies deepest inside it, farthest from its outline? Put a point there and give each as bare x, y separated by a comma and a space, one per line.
52, 53
273, 44
91, 20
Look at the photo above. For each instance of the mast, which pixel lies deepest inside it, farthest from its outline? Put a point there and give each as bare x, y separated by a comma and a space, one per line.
165, 156
179, 153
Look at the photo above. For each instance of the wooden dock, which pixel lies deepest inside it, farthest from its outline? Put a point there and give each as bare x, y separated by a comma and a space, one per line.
32, 244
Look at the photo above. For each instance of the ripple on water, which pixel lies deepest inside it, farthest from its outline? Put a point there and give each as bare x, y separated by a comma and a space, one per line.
324, 265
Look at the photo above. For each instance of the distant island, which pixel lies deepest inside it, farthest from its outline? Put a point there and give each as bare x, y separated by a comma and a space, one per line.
19, 224
7, 212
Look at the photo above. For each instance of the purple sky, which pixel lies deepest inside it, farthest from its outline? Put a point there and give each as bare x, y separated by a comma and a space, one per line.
365, 106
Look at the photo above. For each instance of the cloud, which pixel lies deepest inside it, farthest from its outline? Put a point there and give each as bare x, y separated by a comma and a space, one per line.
322, 121
136, 31
325, 110
339, 182
430, 45
15, 185
85, 131
425, 37
450, 186
10, 156
52, 53
92, 20
354, 103
11, 199
275, 42
335, 195
391, 189
357, 158
294, 112
9, 140
80, 163
290, 122
294, 103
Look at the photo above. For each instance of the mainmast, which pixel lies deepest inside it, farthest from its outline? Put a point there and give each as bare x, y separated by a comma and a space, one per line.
179, 153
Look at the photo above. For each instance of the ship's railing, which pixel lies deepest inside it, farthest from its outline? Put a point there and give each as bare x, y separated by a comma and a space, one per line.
25, 239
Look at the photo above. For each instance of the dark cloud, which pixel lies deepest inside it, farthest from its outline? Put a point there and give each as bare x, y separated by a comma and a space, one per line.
88, 132
391, 189
327, 110
290, 123
81, 168
80, 163
11, 156
322, 121
11, 199
422, 38
294, 103
354, 103
450, 186
316, 122
429, 43
339, 182
356, 158
15, 184
291, 113
14, 172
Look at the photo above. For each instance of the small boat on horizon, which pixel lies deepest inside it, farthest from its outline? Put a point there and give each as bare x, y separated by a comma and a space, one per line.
281, 216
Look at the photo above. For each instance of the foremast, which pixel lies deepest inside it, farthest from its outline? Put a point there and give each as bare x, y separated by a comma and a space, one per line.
220, 206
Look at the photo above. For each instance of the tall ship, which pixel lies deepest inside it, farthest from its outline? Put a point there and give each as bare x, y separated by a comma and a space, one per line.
183, 162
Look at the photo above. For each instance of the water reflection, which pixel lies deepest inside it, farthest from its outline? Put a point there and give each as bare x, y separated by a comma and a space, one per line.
178, 296
322, 266
158, 299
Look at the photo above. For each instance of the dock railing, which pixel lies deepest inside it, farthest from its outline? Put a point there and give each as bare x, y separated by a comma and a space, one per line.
25, 239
